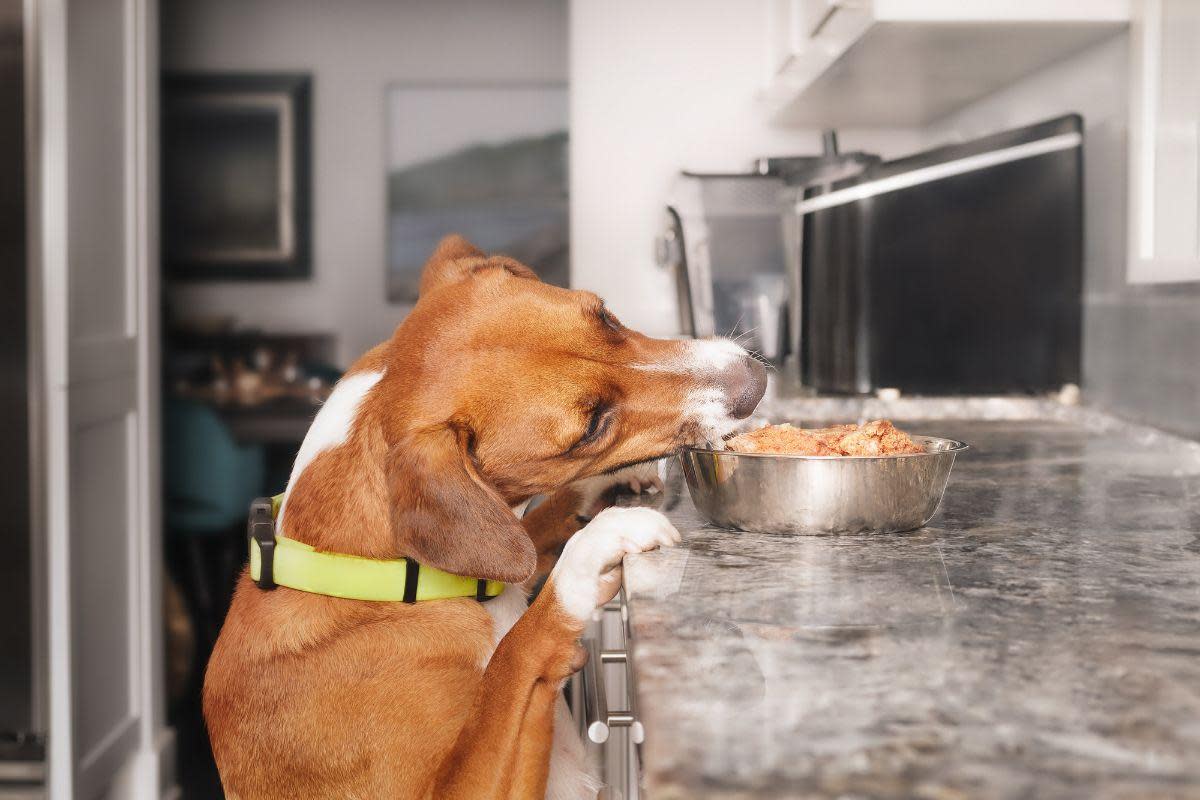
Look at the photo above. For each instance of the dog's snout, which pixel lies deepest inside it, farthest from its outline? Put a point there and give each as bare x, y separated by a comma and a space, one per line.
746, 382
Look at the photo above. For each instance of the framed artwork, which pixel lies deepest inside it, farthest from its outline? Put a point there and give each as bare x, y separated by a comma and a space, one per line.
488, 162
236, 176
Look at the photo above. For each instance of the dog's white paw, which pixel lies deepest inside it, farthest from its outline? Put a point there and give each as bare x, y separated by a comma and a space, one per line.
588, 573
644, 477
638, 478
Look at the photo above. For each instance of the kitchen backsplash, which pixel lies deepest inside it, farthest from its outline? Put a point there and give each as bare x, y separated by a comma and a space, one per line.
1142, 355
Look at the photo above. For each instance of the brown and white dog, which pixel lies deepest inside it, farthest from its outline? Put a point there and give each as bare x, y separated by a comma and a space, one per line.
496, 387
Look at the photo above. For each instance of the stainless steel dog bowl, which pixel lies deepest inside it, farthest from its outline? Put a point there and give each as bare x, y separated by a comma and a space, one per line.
820, 494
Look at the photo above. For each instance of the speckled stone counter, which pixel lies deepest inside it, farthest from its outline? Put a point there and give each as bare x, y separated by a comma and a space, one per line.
1040, 638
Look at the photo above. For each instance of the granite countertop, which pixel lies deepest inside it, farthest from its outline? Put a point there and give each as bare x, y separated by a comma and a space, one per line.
1040, 638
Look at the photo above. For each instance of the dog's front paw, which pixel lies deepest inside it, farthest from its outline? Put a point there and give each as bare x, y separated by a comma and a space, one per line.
639, 478
588, 573
600, 491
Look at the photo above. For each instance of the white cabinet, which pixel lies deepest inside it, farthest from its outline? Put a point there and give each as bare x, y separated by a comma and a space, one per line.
910, 62
799, 27
807, 36
95, 266
1164, 158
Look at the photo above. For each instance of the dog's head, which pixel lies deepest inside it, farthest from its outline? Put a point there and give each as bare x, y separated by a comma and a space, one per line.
499, 387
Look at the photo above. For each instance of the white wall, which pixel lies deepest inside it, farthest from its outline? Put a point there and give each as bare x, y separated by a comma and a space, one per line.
656, 87
353, 50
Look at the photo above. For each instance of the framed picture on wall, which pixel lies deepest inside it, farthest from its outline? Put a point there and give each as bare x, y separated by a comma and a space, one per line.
236, 176
486, 161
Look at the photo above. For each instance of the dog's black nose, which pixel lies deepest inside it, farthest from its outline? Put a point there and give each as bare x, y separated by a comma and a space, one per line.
746, 382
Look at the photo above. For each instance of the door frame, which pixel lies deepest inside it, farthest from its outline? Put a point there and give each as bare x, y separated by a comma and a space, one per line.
150, 772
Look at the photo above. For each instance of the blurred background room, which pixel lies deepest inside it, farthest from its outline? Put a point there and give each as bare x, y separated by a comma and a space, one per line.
313, 155
210, 208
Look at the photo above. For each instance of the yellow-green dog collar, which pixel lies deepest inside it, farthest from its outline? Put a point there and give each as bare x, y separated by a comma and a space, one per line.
299, 566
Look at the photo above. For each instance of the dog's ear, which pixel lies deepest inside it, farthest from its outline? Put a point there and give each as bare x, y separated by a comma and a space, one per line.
451, 261
445, 515
455, 259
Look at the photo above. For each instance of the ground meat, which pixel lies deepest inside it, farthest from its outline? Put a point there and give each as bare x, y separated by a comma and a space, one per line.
877, 438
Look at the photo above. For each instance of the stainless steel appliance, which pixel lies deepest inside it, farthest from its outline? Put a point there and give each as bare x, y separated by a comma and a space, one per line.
956, 270
722, 242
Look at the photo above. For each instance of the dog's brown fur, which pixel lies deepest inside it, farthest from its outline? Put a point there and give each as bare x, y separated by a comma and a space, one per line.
489, 384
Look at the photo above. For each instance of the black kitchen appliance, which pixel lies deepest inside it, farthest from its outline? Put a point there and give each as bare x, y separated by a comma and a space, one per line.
22, 692
957, 270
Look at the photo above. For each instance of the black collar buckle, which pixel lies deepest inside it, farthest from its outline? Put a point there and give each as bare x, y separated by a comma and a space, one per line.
261, 529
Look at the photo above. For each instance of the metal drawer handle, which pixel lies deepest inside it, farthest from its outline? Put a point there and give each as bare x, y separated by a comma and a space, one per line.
595, 699
595, 703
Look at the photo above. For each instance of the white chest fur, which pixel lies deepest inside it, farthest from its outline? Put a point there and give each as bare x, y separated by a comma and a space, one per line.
332, 425
570, 776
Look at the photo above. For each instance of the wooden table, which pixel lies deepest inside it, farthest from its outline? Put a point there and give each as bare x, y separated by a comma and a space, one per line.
278, 415
278, 422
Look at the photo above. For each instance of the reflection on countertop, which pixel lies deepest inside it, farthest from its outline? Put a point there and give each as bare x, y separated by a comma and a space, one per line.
1041, 637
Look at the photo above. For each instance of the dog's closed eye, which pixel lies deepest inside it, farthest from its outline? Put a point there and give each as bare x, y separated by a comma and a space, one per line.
599, 420
610, 321
611, 327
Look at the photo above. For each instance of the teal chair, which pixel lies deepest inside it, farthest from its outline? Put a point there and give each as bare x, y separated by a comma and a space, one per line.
209, 480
